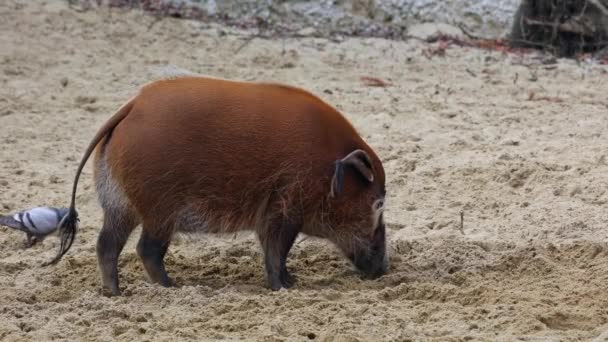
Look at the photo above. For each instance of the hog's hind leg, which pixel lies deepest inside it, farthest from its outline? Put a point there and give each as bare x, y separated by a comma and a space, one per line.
117, 226
119, 220
152, 248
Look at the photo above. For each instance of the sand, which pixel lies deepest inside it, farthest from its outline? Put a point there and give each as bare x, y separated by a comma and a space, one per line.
518, 146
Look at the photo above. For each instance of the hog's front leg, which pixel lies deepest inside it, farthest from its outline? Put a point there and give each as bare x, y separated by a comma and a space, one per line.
276, 242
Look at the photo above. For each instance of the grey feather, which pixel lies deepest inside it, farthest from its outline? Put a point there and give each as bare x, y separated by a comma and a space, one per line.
9, 221
38, 222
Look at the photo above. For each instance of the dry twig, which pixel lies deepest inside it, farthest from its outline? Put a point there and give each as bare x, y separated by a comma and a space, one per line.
462, 222
246, 42
374, 82
532, 97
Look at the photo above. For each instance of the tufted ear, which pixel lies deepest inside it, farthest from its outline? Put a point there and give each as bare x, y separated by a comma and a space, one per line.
360, 161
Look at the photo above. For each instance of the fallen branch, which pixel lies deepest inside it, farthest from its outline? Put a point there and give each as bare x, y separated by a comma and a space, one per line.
570, 26
600, 6
501, 45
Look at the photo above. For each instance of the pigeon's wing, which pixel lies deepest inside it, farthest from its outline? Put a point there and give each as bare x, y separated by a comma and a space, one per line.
41, 220
10, 222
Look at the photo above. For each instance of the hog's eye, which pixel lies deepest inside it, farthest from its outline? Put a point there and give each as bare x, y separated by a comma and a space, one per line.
379, 204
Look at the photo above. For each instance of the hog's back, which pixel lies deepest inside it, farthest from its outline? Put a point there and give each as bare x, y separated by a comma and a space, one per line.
225, 145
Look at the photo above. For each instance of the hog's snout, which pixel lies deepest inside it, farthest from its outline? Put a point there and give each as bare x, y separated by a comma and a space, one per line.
371, 260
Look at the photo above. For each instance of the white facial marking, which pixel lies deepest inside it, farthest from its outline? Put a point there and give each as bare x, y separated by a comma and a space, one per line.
377, 210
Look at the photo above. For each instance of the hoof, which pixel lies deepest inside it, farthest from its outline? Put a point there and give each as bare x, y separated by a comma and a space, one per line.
288, 280
285, 281
106, 292
166, 282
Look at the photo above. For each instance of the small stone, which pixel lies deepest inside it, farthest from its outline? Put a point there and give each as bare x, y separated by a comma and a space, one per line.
575, 191
55, 180
13, 72
83, 100
64, 82
91, 109
431, 31
511, 142
308, 31
409, 166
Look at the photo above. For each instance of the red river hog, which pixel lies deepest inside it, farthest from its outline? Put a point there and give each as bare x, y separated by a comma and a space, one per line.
197, 154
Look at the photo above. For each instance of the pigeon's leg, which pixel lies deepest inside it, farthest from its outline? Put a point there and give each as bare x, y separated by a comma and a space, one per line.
33, 239
39, 239
30, 240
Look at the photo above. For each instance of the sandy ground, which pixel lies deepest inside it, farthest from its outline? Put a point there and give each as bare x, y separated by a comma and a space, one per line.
456, 133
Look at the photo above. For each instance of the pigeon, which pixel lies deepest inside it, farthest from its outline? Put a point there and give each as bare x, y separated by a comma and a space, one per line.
36, 223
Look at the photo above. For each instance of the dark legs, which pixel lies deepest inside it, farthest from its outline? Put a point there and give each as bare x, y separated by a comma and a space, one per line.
276, 241
116, 229
152, 250
31, 240
117, 226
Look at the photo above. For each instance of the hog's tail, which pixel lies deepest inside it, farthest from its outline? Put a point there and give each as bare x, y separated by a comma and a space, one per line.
69, 224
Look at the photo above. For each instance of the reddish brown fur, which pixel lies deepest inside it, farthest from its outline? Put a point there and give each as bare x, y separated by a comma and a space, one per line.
227, 155
225, 147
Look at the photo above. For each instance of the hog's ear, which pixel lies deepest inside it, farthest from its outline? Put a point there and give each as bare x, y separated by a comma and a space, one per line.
360, 161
